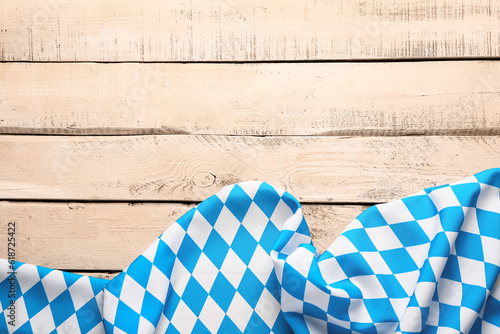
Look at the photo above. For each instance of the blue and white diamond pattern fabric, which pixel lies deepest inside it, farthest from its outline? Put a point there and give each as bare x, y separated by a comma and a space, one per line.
210, 272
42, 300
243, 261
428, 263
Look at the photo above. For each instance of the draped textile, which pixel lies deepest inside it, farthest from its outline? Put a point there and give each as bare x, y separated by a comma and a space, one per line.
243, 261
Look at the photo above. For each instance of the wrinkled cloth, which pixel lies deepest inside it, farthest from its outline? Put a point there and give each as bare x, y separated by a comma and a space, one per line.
243, 261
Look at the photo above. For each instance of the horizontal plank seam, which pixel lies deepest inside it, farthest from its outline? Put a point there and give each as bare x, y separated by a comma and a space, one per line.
110, 132
354, 60
484, 132
98, 271
139, 202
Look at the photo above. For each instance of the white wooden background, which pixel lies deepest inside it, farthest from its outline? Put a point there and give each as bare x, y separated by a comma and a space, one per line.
116, 117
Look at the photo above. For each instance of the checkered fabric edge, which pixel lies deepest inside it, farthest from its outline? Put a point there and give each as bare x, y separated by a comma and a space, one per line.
35, 299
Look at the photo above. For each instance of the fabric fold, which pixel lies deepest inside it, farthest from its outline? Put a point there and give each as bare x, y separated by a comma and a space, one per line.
243, 261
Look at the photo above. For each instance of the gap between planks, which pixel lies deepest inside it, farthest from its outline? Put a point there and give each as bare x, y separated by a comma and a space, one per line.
249, 62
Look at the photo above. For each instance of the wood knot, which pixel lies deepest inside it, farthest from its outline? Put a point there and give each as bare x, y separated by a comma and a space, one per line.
203, 179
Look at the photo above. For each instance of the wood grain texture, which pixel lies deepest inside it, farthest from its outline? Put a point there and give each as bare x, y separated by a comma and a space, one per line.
107, 274
402, 98
191, 168
237, 30
108, 236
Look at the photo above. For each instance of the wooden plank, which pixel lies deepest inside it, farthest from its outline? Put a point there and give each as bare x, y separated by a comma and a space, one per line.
109, 275
108, 236
252, 99
237, 30
191, 168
